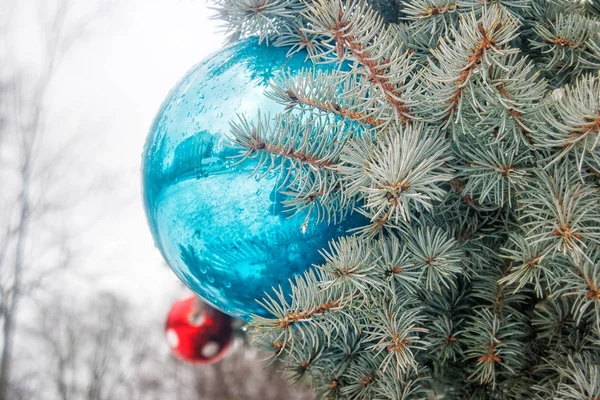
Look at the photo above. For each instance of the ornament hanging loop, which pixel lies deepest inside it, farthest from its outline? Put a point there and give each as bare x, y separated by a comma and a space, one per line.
197, 316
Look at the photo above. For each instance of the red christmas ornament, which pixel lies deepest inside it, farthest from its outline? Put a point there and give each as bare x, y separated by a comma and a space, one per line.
198, 333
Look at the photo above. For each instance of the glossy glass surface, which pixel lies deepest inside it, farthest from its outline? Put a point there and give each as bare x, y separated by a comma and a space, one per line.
224, 233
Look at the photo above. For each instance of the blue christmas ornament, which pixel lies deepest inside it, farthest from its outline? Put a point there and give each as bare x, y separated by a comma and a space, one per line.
223, 232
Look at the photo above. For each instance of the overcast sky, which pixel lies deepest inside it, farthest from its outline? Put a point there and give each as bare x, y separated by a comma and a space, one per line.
107, 92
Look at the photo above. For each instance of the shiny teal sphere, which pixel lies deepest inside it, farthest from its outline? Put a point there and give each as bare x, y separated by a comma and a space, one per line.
222, 231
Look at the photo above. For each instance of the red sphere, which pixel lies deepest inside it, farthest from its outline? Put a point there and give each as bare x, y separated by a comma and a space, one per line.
198, 333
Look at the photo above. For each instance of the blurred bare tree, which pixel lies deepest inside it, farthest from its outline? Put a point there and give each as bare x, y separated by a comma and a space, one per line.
79, 346
27, 254
99, 349
91, 347
242, 376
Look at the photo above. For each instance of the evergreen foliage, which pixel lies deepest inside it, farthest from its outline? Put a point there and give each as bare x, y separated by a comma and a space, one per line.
468, 133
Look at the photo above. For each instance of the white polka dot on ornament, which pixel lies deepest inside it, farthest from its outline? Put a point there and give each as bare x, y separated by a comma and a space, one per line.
210, 349
172, 338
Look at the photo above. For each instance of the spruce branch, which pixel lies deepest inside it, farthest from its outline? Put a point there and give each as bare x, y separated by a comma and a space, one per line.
506, 108
299, 314
262, 17
593, 7
494, 347
293, 35
307, 196
396, 329
304, 152
569, 42
457, 187
436, 255
477, 275
545, 11
400, 389
296, 142
559, 214
514, 7
584, 285
361, 377
301, 361
350, 268
395, 266
453, 303
323, 92
378, 226
434, 17
370, 43
582, 380
467, 53
399, 174
492, 173
570, 123
529, 266
553, 319
418, 44
501, 299
445, 341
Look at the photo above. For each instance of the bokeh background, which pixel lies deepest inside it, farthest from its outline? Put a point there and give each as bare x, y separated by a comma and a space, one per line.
83, 291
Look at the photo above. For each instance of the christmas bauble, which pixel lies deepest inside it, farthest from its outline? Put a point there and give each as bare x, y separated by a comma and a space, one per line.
223, 232
197, 332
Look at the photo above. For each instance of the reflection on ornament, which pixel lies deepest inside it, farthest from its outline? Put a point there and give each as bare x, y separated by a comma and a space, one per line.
198, 333
224, 233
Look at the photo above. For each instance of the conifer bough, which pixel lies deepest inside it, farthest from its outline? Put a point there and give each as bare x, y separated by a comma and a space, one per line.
468, 133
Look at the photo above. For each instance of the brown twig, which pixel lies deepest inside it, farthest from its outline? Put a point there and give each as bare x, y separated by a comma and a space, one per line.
473, 61
291, 318
257, 144
294, 98
375, 72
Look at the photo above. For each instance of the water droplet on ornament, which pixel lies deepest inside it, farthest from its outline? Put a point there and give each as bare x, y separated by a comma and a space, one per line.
203, 269
227, 284
211, 279
197, 234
